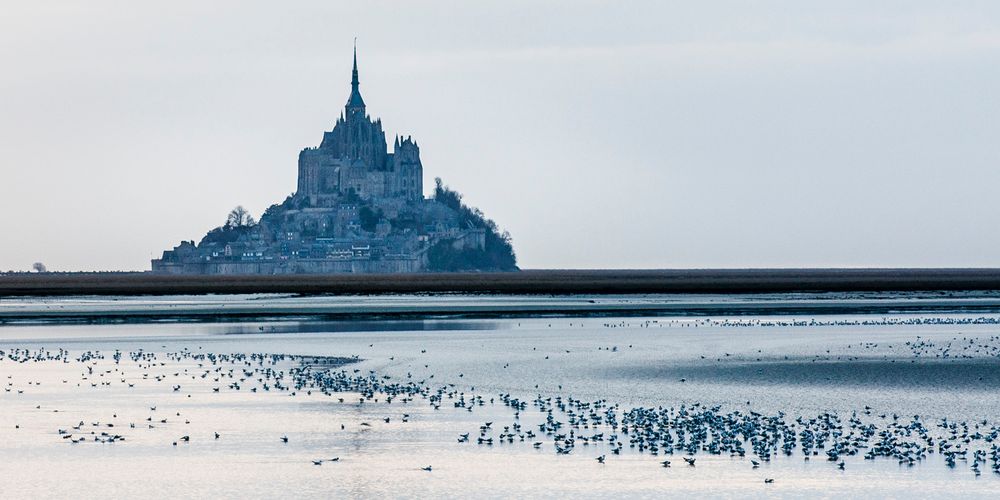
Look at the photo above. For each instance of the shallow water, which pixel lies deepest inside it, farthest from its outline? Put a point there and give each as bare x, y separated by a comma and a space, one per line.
766, 364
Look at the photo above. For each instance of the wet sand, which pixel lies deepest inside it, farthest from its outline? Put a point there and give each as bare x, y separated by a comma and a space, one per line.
98, 309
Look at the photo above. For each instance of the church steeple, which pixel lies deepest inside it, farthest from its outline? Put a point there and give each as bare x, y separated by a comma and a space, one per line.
354, 74
355, 104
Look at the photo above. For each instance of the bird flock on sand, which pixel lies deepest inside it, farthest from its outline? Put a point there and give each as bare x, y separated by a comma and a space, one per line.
551, 423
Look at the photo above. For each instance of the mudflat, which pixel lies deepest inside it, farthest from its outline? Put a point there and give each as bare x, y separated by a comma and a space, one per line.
521, 282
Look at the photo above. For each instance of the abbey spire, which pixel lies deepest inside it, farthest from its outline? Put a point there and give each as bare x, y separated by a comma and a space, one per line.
355, 104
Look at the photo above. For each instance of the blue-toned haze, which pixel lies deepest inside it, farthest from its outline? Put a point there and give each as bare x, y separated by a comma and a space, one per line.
600, 134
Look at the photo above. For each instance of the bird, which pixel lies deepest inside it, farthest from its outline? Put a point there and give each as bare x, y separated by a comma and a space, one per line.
689, 460
428, 468
284, 439
600, 459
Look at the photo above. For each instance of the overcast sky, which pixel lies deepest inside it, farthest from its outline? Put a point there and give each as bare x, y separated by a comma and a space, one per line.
600, 134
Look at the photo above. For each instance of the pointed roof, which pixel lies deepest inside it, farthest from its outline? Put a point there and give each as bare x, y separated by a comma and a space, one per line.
355, 101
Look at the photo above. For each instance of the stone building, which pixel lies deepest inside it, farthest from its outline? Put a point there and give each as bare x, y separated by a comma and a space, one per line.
353, 157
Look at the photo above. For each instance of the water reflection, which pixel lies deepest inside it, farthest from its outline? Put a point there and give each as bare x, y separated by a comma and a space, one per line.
286, 327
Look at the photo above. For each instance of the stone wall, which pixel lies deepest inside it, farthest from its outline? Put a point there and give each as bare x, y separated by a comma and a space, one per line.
292, 266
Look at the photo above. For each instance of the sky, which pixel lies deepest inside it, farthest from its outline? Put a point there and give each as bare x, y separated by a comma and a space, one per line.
601, 134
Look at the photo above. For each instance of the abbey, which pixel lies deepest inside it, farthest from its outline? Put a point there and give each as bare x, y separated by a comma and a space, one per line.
359, 208
353, 157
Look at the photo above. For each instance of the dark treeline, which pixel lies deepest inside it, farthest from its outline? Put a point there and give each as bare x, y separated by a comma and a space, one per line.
498, 253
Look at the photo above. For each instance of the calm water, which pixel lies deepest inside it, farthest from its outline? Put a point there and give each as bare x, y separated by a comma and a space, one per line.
799, 365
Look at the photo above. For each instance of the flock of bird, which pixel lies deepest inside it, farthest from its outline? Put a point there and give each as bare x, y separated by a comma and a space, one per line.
556, 422
811, 322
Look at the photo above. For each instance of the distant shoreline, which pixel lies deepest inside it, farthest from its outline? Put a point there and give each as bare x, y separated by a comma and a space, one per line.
528, 282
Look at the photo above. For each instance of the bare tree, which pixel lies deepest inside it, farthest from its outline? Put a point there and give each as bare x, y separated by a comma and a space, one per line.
38, 267
239, 217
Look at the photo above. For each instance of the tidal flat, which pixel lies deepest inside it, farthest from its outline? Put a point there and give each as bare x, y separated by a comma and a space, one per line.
887, 404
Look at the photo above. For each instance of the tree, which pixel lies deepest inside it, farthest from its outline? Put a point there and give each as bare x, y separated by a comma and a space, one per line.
239, 217
498, 253
369, 218
449, 198
38, 267
274, 212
